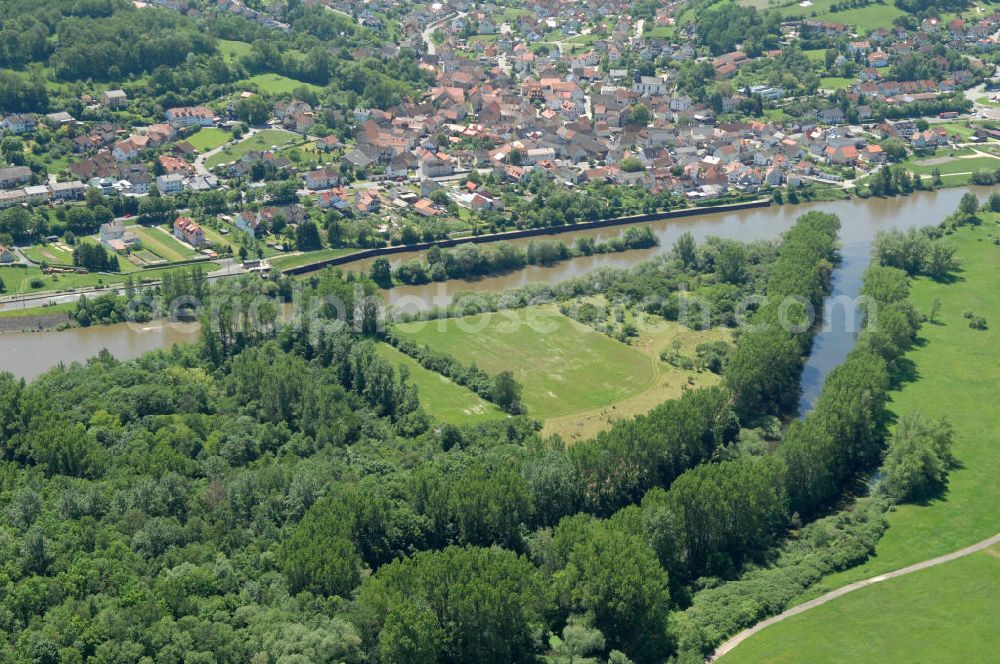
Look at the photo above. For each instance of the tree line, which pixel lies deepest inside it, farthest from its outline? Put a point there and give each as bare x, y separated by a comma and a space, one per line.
278, 491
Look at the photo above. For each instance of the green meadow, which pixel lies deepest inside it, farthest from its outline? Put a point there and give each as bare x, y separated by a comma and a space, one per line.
209, 138
445, 400
954, 374
276, 84
262, 140
942, 614
564, 367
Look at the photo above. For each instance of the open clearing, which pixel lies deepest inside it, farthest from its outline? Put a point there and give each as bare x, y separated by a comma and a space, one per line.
262, 140
209, 138
276, 84
576, 380
864, 19
942, 614
956, 376
441, 398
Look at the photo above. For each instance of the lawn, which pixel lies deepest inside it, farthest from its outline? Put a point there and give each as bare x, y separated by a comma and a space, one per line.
18, 280
276, 84
942, 614
295, 260
836, 83
956, 376
163, 245
440, 397
262, 140
48, 253
209, 138
948, 166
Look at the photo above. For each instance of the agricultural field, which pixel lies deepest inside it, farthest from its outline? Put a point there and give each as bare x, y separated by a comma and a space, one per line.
445, 400
262, 140
954, 375
209, 138
276, 84
935, 615
576, 380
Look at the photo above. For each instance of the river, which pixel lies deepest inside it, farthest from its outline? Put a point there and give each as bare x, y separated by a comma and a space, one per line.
31, 353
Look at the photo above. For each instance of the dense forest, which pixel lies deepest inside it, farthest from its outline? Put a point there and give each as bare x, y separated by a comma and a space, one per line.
277, 493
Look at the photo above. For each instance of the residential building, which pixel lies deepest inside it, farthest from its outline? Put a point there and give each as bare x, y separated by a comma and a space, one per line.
170, 184
188, 116
187, 230
114, 98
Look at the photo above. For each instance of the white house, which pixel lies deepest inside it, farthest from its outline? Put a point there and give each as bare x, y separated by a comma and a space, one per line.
188, 116
170, 184
650, 85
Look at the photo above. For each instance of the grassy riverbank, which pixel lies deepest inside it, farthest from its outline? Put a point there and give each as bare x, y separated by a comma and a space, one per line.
935, 615
953, 374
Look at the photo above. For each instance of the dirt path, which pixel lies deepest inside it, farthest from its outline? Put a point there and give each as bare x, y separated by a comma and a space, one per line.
833, 594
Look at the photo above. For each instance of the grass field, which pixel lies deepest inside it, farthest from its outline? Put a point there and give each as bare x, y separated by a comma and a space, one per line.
295, 260
440, 397
162, 244
949, 166
209, 138
942, 614
816, 55
864, 18
564, 367
962, 129
262, 140
956, 376
18, 280
836, 83
575, 380
276, 84
233, 49
48, 253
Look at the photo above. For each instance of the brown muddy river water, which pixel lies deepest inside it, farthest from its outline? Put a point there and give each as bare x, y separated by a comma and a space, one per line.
31, 353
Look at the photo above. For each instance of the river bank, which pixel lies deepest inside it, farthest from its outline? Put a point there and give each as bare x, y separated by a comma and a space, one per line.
861, 220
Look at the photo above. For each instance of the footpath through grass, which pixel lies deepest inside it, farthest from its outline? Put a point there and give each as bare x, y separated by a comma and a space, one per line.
941, 614
955, 373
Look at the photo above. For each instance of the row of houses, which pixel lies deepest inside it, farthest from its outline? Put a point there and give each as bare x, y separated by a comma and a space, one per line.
42, 193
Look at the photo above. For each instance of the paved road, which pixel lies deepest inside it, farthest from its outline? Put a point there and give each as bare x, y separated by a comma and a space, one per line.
228, 267
823, 599
428, 33
199, 161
